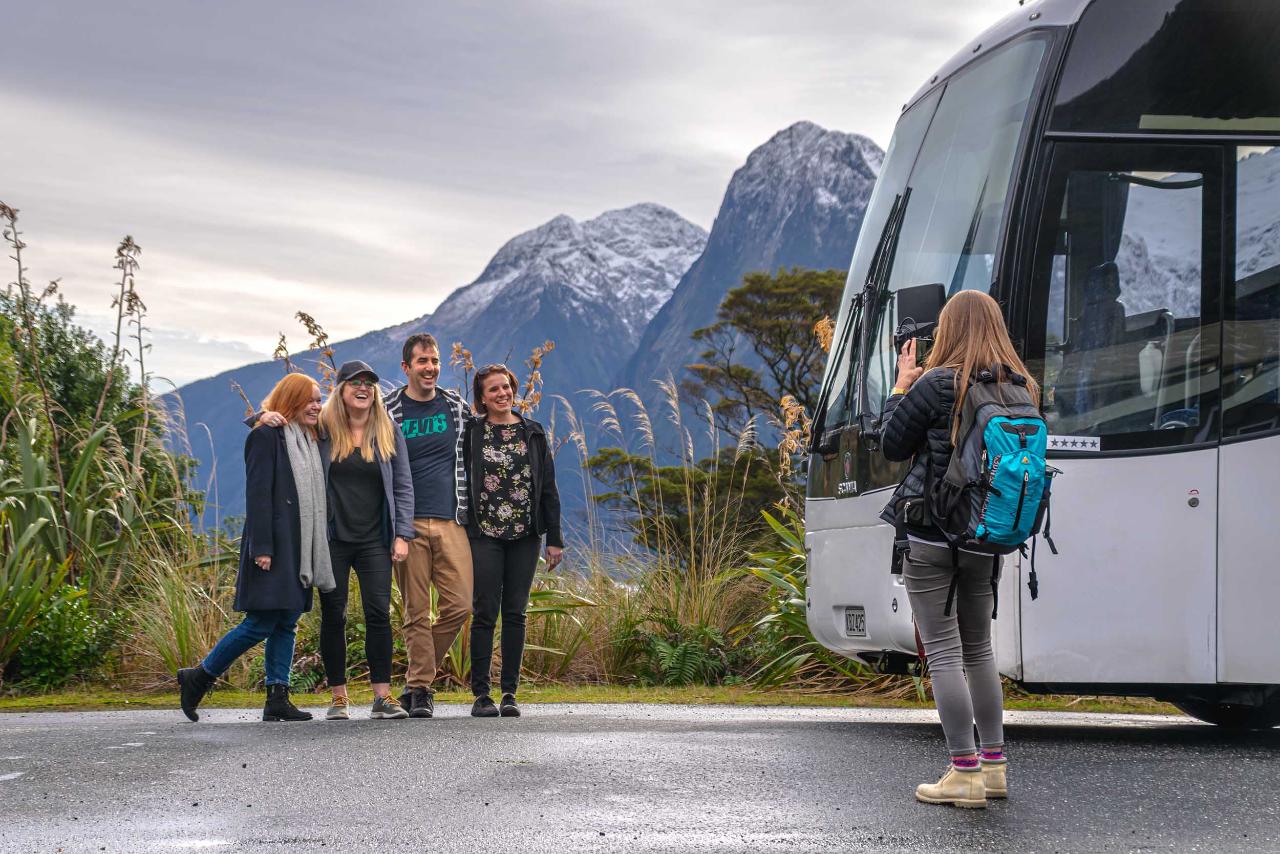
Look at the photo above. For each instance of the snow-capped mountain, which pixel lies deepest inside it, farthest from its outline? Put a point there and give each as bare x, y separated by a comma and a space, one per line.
1159, 257
625, 261
798, 201
1258, 212
591, 287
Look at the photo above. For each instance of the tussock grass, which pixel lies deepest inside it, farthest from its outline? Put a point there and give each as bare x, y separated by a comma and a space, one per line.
677, 580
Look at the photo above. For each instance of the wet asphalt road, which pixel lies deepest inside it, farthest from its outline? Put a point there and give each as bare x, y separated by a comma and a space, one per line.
622, 778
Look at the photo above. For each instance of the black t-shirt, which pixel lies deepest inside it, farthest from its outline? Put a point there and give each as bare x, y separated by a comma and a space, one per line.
432, 438
355, 489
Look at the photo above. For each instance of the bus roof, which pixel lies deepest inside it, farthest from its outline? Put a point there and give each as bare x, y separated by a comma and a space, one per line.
1038, 14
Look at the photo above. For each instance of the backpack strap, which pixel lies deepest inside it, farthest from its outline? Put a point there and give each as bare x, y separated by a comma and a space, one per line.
900, 544
1032, 583
995, 585
955, 579
1048, 523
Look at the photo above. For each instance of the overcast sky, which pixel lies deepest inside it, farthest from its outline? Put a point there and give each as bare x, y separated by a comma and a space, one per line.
359, 161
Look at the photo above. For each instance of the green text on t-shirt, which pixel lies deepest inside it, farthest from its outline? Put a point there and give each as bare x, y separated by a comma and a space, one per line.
412, 428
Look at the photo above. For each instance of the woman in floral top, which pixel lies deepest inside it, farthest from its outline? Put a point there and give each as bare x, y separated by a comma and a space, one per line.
514, 503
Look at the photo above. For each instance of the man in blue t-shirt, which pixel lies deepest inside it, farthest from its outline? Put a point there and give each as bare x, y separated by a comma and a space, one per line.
431, 419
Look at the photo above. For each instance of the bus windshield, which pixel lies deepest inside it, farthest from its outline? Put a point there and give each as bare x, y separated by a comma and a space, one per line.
955, 150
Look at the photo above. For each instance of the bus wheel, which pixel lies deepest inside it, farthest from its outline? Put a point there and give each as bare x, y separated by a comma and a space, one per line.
1261, 711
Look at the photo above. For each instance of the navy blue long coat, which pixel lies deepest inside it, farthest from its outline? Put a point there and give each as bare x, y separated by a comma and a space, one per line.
271, 527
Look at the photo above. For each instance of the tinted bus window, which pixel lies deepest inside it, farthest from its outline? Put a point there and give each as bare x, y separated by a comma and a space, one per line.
959, 184
898, 161
1172, 65
1251, 345
1125, 260
961, 179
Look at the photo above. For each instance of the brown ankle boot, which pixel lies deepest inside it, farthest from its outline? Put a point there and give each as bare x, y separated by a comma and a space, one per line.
959, 788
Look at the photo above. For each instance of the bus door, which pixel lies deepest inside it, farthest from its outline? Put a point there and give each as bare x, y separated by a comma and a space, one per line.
1249, 533
1123, 330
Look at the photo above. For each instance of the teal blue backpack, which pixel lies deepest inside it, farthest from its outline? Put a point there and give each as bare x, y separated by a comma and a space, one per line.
995, 494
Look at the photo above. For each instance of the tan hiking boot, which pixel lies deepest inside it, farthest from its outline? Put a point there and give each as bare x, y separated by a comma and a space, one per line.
995, 779
959, 788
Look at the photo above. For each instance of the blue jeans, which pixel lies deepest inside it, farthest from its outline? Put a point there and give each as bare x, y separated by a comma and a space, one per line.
275, 627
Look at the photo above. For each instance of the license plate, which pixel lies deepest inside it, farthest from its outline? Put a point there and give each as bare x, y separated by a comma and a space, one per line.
855, 621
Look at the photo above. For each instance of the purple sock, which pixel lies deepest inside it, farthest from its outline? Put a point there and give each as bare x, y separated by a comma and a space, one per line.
964, 763
995, 754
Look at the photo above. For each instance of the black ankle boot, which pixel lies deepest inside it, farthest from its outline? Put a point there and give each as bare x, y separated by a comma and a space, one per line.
279, 708
193, 684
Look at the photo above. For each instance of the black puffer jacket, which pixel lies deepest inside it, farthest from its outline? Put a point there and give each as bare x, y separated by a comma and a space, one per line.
917, 426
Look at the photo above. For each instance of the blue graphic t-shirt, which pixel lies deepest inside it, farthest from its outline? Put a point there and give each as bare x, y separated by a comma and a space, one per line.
432, 438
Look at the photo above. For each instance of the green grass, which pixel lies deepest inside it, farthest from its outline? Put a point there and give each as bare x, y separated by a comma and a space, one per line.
97, 698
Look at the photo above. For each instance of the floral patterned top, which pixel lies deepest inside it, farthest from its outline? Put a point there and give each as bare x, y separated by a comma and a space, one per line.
505, 511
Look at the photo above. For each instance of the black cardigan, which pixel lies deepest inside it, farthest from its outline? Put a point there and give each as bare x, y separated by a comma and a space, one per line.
545, 496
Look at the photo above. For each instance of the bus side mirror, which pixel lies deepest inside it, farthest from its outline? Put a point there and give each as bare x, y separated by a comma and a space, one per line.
918, 309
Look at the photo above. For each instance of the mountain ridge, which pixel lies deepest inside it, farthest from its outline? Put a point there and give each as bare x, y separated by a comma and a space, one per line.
797, 201
590, 287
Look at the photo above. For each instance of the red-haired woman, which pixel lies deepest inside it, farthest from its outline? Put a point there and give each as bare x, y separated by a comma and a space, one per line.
284, 551
514, 503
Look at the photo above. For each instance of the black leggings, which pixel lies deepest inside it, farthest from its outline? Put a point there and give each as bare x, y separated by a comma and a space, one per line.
372, 563
504, 572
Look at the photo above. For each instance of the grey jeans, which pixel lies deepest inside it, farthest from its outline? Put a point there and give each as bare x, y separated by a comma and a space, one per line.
966, 684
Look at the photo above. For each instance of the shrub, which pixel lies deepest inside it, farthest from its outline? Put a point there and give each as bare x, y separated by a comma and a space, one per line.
70, 642
30, 581
677, 654
786, 649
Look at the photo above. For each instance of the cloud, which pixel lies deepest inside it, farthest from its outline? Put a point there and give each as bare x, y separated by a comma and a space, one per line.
361, 164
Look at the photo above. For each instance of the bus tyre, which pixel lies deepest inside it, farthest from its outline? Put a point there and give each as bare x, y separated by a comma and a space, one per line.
1244, 714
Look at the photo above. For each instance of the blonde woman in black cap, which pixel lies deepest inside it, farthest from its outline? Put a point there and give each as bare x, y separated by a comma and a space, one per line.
370, 524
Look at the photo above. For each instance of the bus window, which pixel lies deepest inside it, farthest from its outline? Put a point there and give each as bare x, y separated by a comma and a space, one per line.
961, 178
1128, 358
1251, 343
898, 161
955, 215
1161, 66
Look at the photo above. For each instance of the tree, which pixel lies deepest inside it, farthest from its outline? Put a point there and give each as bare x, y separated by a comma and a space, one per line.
693, 514
763, 345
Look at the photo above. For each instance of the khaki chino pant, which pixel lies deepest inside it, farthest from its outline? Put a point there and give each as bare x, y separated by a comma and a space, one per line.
439, 555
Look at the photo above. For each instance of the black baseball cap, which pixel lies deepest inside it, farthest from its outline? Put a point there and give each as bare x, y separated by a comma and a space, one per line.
355, 368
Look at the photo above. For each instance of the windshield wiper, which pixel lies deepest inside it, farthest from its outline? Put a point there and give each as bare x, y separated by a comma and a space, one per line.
817, 441
823, 441
876, 291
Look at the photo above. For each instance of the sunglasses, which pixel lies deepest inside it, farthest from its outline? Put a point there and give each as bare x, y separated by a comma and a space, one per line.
364, 382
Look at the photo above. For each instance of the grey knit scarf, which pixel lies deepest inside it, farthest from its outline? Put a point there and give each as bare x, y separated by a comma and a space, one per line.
314, 568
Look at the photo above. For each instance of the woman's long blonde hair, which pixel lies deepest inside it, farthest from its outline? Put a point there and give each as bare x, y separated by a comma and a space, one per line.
333, 417
971, 337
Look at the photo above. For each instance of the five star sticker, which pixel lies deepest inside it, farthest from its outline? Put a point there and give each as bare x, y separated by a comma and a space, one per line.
1076, 443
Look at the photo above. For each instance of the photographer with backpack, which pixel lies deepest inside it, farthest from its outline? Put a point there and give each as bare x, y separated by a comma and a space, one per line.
961, 507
